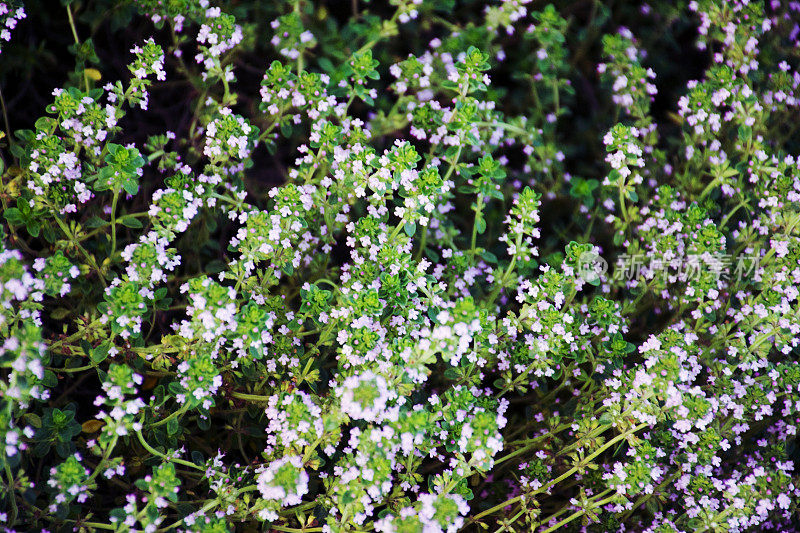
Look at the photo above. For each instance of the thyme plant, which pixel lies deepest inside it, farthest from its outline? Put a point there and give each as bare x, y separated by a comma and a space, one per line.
405, 266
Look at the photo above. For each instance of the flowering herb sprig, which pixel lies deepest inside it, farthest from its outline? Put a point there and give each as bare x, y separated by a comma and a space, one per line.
507, 268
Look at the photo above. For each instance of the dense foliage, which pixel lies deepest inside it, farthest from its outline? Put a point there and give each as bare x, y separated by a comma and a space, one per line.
412, 266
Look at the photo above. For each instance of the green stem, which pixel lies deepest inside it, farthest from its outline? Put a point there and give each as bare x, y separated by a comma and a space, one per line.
509, 270
423, 242
506, 126
396, 232
271, 127
5, 120
207, 507
82, 524
295, 530
718, 518
296, 9
101, 464
225, 86
12, 498
709, 188
114, 223
556, 102
89, 258
497, 507
71, 370
77, 43
578, 514
731, 213
210, 505
565, 475
98, 525
508, 523
478, 215
163, 456
105, 224
623, 208
72, 25
75, 336
249, 397
530, 443
173, 415
646, 497
231, 201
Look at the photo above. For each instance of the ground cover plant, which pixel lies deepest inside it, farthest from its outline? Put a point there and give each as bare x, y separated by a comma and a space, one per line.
406, 266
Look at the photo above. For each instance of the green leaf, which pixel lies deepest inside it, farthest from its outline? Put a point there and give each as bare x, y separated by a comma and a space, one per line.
173, 426
730, 171
131, 187
131, 222
215, 266
745, 133
102, 183
63, 449
99, 354
50, 380
410, 228
489, 257
59, 313
41, 448
45, 124
17, 150
14, 216
480, 224
49, 233
496, 194
33, 228
33, 419
326, 64
94, 222
452, 374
